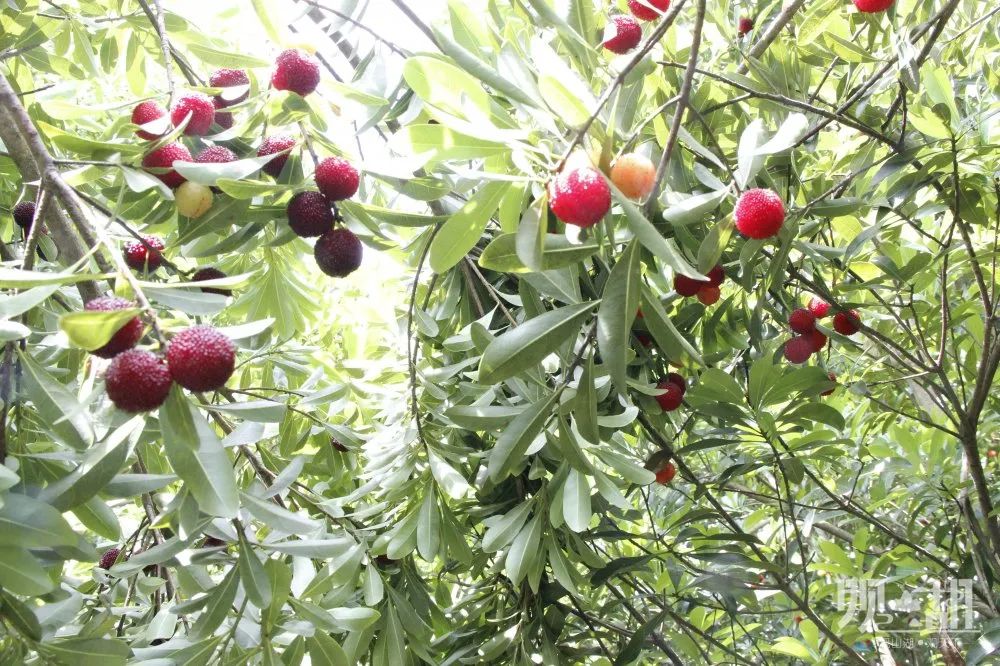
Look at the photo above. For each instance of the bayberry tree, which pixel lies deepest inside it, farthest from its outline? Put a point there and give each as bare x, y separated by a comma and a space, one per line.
503, 332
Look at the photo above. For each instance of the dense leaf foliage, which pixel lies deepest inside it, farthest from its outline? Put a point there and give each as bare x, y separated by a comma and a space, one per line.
515, 434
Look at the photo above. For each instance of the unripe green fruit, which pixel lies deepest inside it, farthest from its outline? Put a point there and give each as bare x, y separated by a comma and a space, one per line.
193, 200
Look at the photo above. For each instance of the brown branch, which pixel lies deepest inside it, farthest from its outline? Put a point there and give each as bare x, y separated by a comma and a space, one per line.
772, 32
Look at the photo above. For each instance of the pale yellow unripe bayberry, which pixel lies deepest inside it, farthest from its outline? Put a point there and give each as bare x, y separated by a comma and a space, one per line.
634, 174
193, 200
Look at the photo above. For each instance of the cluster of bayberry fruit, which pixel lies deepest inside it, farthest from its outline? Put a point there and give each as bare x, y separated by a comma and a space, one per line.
337, 251
707, 291
199, 358
810, 340
623, 33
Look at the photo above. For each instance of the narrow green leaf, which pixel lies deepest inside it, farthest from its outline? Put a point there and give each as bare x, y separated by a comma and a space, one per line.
67, 420
220, 600
196, 454
651, 239
633, 648
254, 577
617, 312
529, 241
21, 573
514, 441
524, 550
525, 346
576, 501
586, 404
463, 229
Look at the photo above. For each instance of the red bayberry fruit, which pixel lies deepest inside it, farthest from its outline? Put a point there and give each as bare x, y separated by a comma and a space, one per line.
272, 145
230, 78
223, 119
201, 358
309, 214
24, 214
146, 113
709, 295
716, 276
759, 213
337, 178
847, 323
164, 158
335, 443
818, 307
991, 454
211, 273
125, 337
634, 174
679, 381
580, 196
873, 6
137, 381
644, 339
744, 26
802, 321
818, 340
833, 378
201, 109
686, 286
109, 558
671, 397
666, 474
297, 71
215, 155
798, 349
145, 255
338, 252
644, 9
622, 34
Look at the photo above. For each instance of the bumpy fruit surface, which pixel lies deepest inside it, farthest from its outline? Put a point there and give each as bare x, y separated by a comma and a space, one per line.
224, 119
164, 158
818, 340
24, 214
337, 178
671, 397
641, 8
744, 26
716, 276
634, 175
309, 214
338, 252
201, 358
580, 196
193, 199
709, 295
211, 273
622, 34
678, 380
666, 474
847, 323
230, 78
818, 307
759, 213
272, 145
201, 110
802, 321
109, 558
296, 71
215, 155
137, 381
125, 337
144, 256
798, 349
873, 6
149, 112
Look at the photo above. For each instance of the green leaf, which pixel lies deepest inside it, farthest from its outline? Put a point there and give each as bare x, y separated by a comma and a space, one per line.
617, 312
586, 404
267, 21
633, 648
213, 56
67, 420
196, 454
324, 651
514, 441
670, 341
253, 576
791, 647
30, 523
576, 501
92, 330
437, 143
651, 239
88, 651
463, 229
986, 645
694, 208
556, 252
529, 241
21, 573
13, 330
13, 278
524, 550
525, 346
20, 615
220, 601
481, 417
